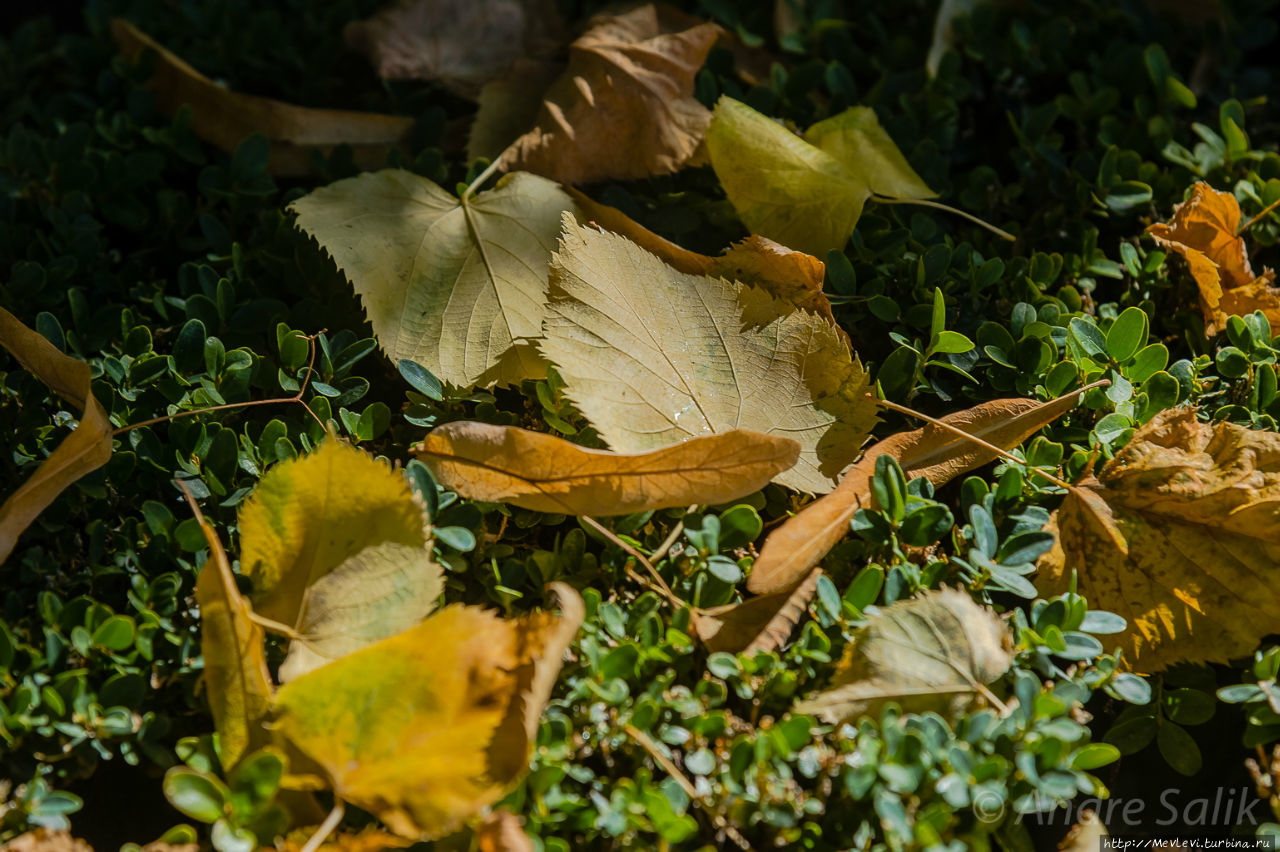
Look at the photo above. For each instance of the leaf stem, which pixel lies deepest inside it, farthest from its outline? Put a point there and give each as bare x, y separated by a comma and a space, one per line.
662, 586
1265, 210
924, 202
325, 828
480, 179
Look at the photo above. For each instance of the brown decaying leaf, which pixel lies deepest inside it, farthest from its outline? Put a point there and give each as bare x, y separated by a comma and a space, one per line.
936, 652
932, 452
504, 464
459, 43
503, 831
791, 275
1203, 230
624, 107
46, 840
224, 118
1180, 534
86, 449
763, 623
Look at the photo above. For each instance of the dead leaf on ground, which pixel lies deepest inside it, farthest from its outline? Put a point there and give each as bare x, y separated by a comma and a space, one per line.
1203, 230
425, 728
1086, 835
461, 44
457, 285
936, 652
503, 831
86, 449
791, 275
504, 464
624, 107
224, 118
652, 356
762, 623
1180, 534
932, 452
46, 840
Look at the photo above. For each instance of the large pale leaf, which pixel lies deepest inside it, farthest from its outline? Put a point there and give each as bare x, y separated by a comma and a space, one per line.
426, 728
936, 652
549, 474
458, 286
653, 356
86, 449
1180, 534
624, 108
939, 455
224, 118
336, 547
806, 193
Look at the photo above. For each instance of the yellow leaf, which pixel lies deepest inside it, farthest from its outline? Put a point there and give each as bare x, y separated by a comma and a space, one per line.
936, 652
426, 728
459, 43
653, 357
1180, 534
1203, 230
762, 623
624, 108
86, 449
236, 679
224, 118
318, 529
458, 286
549, 474
932, 452
855, 138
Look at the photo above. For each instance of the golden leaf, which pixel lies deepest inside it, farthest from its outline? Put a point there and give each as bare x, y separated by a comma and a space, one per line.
457, 285
624, 108
762, 623
86, 449
224, 118
1203, 230
936, 652
549, 474
1177, 533
427, 727
932, 452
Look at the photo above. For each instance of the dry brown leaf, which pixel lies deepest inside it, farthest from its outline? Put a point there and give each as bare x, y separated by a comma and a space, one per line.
1086, 835
932, 452
936, 652
508, 106
459, 43
624, 107
86, 449
504, 464
503, 831
46, 840
763, 623
1203, 230
224, 118
1180, 534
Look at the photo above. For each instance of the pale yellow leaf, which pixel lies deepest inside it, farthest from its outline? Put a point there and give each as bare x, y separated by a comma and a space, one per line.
855, 138
549, 474
457, 286
653, 356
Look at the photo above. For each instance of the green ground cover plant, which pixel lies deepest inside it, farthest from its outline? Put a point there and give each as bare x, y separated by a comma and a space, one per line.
229, 334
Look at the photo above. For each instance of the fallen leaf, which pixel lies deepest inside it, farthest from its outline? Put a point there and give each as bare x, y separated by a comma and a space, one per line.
791, 275
369, 839
624, 107
86, 449
1180, 534
1203, 230
236, 680
46, 840
1087, 835
762, 623
336, 548
461, 44
503, 831
936, 652
652, 356
459, 286
932, 452
508, 106
224, 118
806, 193
427, 727
532, 470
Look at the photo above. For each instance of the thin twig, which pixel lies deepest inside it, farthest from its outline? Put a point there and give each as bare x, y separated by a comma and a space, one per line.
1002, 234
1265, 210
640, 557
672, 536
325, 828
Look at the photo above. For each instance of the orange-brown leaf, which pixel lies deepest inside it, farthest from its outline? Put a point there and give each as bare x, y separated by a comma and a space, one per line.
1180, 534
86, 449
549, 474
932, 452
624, 108
762, 623
503, 831
224, 118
